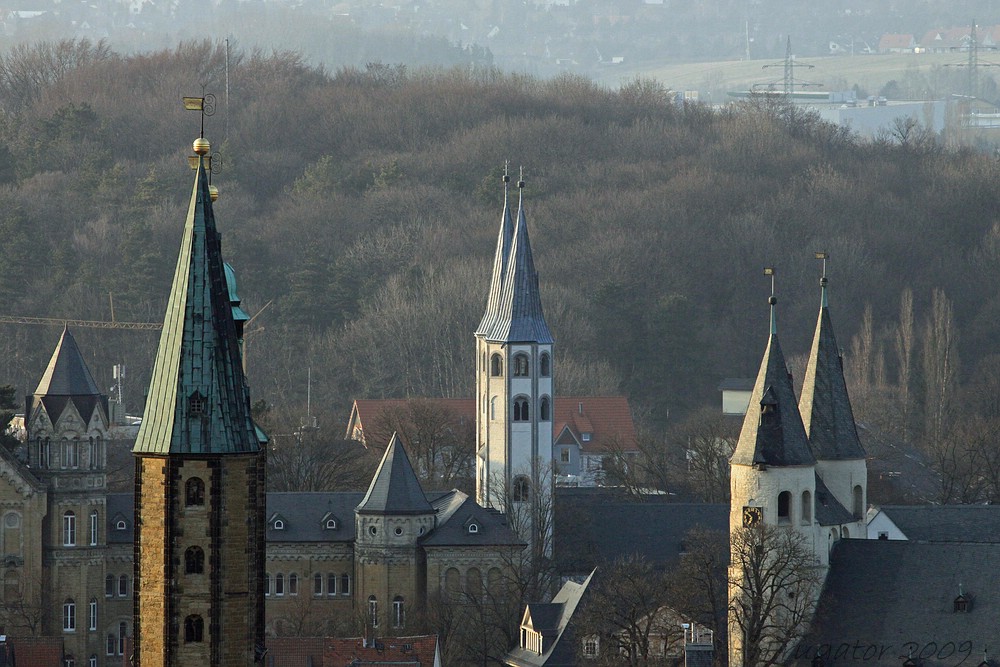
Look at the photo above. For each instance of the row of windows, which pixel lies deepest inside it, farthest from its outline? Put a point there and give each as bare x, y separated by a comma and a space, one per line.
521, 408
70, 661
69, 615
69, 452
521, 366
473, 583
69, 529
290, 585
398, 612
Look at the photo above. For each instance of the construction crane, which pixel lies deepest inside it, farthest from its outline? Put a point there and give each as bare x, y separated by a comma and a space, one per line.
93, 324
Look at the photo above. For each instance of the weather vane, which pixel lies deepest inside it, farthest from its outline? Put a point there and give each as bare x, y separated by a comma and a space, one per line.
206, 105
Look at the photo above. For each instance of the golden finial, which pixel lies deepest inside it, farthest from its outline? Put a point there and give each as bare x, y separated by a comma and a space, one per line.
201, 146
213, 192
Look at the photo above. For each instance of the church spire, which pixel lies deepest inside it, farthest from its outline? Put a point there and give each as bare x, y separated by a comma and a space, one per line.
504, 241
825, 405
773, 434
520, 314
198, 400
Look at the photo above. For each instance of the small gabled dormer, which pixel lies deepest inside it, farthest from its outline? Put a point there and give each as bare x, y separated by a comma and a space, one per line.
119, 523
330, 522
963, 603
277, 522
472, 526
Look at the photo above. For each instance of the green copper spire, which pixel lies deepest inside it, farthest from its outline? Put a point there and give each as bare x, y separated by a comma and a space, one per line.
198, 401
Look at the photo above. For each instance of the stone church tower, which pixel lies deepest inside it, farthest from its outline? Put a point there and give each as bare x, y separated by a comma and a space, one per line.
514, 390
199, 491
390, 521
67, 425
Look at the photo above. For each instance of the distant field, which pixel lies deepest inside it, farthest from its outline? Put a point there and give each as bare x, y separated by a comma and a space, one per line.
835, 72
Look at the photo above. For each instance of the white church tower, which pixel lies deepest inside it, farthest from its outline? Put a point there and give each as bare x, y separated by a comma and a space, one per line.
514, 390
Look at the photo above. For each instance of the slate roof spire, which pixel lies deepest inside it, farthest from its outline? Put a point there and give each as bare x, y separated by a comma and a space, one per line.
773, 434
504, 240
198, 400
66, 379
825, 405
520, 317
395, 488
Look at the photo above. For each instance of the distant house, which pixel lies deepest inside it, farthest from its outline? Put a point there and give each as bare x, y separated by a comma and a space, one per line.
548, 636
935, 523
897, 43
735, 395
946, 41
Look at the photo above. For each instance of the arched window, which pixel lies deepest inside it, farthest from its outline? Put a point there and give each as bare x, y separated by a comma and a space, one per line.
521, 489
544, 413
92, 661
194, 560
194, 492
123, 586
267, 584
69, 529
545, 365
111, 644
474, 583
521, 412
372, 611
93, 528
69, 615
109, 585
398, 613
47, 453
279, 584
92, 615
331, 584
293, 584
318, 584
496, 366
71, 457
345, 584
194, 629
844, 532
69, 661
493, 408
452, 581
122, 634
784, 506
521, 365
859, 502
807, 506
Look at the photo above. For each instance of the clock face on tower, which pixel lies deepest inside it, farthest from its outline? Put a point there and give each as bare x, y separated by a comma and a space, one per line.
752, 516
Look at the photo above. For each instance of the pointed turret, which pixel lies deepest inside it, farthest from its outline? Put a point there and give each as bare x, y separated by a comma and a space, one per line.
395, 488
825, 405
66, 379
198, 400
773, 434
520, 316
492, 314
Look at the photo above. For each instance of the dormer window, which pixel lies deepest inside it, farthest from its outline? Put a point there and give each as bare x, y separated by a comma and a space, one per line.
585, 436
120, 525
279, 524
962, 604
331, 524
768, 408
473, 528
196, 405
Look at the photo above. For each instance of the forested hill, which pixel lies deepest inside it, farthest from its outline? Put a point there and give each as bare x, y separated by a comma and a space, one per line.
360, 210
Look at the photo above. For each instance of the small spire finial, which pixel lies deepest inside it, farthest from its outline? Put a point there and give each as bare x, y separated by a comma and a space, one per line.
506, 175
772, 301
823, 279
520, 186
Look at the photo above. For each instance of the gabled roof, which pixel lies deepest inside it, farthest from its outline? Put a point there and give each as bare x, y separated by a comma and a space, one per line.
898, 596
506, 237
825, 405
395, 488
563, 649
38, 651
295, 651
455, 512
773, 433
946, 523
519, 318
198, 398
420, 650
896, 41
829, 510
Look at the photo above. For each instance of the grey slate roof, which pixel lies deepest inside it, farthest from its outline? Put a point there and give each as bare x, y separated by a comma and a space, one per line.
946, 523
198, 352
455, 512
519, 318
395, 488
824, 404
588, 534
120, 506
780, 441
564, 648
500, 258
898, 597
66, 379
304, 516
829, 510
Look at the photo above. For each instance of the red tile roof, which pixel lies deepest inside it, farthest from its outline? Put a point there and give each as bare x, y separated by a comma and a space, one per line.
420, 651
607, 418
892, 41
295, 651
38, 651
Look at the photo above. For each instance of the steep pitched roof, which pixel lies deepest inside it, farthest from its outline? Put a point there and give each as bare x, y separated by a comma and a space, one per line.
198, 399
506, 237
825, 405
829, 510
556, 617
296, 651
772, 432
395, 488
67, 373
886, 599
456, 511
520, 318
946, 523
